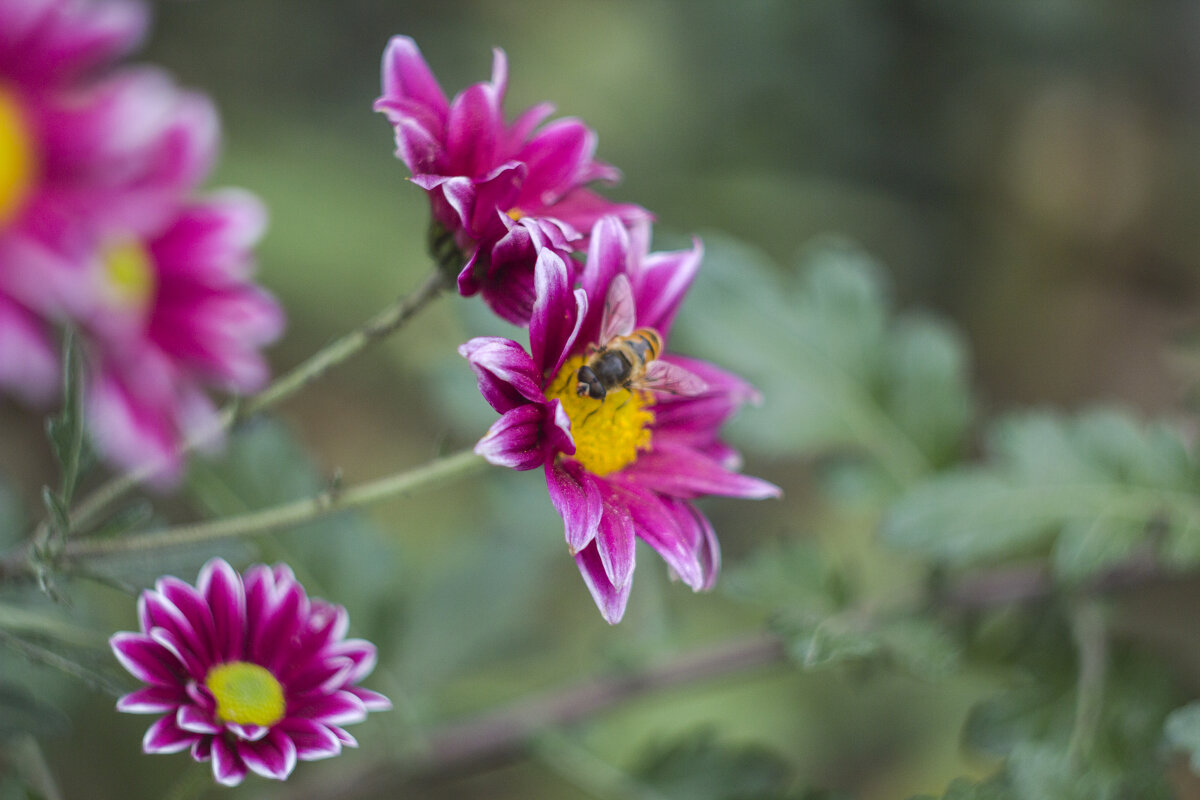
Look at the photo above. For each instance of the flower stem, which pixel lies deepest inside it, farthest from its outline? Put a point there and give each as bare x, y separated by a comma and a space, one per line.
1091, 641
373, 330
327, 502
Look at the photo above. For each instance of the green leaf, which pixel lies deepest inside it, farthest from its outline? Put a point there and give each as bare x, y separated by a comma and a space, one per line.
838, 371
791, 575
963, 789
1182, 731
65, 430
12, 516
21, 712
699, 767
1093, 487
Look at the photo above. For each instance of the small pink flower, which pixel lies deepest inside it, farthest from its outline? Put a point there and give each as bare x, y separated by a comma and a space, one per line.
626, 466
248, 673
171, 316
502, 191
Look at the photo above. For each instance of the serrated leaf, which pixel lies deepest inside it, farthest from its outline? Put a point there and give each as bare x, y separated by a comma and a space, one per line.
1099, 479
1182, 730
790, 576
699, 767
925, 386
837, 370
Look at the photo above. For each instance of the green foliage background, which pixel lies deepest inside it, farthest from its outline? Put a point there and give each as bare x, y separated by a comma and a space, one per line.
939, 237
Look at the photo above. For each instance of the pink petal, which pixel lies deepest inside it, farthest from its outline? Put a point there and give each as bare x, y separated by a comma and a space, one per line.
507, 376
515, 440
273, 757
164, 736
557, 313
660, 284
683, 472
576, 498
556, 156
473, 130
146, 659
407, 76
615, 542
610, 599
222, 589
313, 740
190, 718
227, 766
341, 708
152, 700
374, 701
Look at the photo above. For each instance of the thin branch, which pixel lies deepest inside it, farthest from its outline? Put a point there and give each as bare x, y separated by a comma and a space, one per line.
288, 514
501, 736
1091, 642
373, 330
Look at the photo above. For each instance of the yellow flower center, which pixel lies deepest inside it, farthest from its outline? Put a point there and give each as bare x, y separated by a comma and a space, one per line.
246, 693
129, 274
515, 214
608, 433
18, 159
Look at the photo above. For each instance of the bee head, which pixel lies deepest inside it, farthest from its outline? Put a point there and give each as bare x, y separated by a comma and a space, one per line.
589, 384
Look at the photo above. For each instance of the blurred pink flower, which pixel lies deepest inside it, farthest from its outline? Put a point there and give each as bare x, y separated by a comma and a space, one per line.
171, 316
627, 465
502, 191
247, 672
82, 147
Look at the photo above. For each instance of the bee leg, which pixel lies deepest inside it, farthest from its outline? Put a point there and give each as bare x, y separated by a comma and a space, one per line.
590, 413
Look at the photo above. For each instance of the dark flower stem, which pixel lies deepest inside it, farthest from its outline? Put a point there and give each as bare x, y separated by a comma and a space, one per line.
501, 736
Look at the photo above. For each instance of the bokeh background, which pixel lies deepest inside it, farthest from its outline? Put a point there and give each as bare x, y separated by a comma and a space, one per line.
1028, 169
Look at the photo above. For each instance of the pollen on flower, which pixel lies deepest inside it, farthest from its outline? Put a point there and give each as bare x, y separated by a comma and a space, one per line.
246, 693
129, 274
608, 433
515, 214
18, 158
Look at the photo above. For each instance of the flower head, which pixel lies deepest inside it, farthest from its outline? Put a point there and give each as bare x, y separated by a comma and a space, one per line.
502, 191
171, 315
248, 672
627, 465
84, 147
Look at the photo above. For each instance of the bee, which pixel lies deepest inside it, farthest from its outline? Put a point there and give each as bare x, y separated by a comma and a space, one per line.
628, 358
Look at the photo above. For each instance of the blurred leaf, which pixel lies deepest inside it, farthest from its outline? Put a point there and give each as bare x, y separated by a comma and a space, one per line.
1183, 732
263, 466
698, 767
12, 516
791, 575
812, 607
964, 789
1099, 480
65, 430
836, 371
21, 712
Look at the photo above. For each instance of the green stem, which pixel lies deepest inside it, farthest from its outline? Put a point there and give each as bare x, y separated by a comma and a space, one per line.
373, 330
587, 771
20, 620
282, 516
1091, 641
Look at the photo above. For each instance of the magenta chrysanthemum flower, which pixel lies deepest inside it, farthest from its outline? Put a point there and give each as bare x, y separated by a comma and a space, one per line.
250, 674
82, 148
502, 191
627, 465
171, 316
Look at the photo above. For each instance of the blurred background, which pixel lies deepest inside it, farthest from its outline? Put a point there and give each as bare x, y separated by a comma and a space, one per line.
1026, 168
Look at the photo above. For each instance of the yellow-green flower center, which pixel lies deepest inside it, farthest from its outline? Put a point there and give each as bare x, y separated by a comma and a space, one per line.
246, 693
18, 157
128, 274
608, 433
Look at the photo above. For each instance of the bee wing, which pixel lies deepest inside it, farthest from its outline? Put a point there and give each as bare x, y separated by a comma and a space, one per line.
671, 379
619, 309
